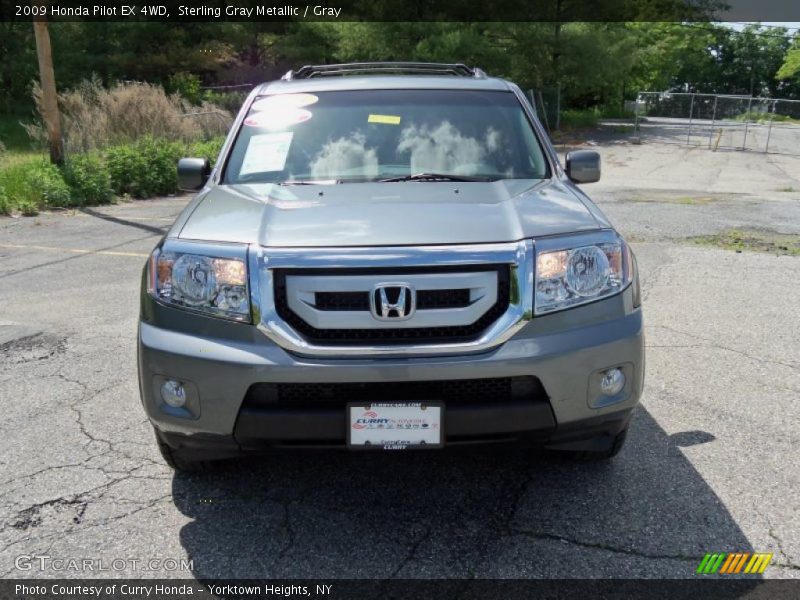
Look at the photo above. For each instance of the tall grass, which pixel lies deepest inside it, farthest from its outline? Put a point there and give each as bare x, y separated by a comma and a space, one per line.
30, 184
94, 117
122, 141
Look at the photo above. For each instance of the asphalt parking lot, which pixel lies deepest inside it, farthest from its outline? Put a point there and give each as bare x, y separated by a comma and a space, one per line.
711, 464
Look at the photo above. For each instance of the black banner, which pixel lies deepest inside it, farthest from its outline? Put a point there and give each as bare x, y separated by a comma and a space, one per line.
397, 589
403, 10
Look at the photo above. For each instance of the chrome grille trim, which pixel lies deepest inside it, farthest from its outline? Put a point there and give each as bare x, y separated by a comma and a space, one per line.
518, 255
301, 291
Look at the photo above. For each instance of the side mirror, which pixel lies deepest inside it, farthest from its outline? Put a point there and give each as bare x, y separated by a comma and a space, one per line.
583, 166
193, 173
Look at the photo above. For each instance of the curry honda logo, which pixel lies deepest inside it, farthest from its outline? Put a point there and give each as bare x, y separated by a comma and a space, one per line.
370, 419
393, 301
734, 563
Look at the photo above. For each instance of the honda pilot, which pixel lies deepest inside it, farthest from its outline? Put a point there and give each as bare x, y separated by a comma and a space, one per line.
389, 257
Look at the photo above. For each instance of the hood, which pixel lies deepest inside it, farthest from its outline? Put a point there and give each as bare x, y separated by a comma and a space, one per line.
387, 214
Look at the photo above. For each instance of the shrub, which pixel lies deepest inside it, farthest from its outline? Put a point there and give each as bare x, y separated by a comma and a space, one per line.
5, 203
48, 185
95, 117
578, 119
209, 149
88, 179
185, 84
144, 168
34, 184
28, 208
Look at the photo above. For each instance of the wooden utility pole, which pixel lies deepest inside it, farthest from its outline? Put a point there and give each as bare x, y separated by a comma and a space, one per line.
47, 77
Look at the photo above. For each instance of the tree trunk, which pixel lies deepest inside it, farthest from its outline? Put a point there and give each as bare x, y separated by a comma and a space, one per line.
555, 62
50, 113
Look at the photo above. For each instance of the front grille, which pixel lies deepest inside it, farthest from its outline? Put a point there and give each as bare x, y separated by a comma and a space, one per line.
342, 300
432, 299
426, 299
453, 392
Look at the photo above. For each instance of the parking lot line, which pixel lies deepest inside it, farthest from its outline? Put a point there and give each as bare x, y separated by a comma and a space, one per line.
73, 250
164, 219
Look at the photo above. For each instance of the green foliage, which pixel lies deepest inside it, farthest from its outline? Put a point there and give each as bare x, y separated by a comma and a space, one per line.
144, 168
5, 203
185, 84
34, 184
88, 179
578, 119
141, 169
209, 149
584, 64
791, 63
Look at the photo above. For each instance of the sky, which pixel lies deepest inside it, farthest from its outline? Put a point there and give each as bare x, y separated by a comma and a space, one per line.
792, 26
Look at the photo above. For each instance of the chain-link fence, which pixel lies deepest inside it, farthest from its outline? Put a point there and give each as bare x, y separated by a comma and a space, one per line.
719, 121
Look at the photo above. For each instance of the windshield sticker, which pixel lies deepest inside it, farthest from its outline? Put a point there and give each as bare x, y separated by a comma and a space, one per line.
384, 119
284, 101
266, 153
280, 118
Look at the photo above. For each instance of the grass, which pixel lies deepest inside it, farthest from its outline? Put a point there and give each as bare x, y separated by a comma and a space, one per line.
685, 200
693, 200
589, 118
740, 240
579, 119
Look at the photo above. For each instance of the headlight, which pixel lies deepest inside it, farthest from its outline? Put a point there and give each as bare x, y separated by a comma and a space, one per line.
217, 286
566, 278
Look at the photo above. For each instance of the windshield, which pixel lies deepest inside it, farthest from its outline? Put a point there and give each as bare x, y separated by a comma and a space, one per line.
373, 135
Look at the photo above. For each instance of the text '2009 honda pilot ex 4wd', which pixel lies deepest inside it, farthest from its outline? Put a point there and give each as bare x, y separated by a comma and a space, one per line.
389, 256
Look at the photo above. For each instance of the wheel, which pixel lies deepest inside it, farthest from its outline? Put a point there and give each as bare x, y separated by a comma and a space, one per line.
180, 461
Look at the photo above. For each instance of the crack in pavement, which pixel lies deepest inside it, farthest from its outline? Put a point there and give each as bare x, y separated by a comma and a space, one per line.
714, 344
787, 564
539, 535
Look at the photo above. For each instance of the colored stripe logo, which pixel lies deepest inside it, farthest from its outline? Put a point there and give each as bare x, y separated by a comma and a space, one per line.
734, 563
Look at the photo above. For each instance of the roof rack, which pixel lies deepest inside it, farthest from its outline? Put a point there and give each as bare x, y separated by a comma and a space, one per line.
394, 68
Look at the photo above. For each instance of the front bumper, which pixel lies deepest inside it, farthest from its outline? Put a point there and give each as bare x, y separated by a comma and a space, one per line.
563, 351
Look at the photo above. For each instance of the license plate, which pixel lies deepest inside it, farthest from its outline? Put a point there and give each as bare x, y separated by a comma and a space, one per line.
395, 426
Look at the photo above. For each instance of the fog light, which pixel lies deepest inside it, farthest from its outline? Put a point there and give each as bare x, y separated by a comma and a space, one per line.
612, 382
173, 393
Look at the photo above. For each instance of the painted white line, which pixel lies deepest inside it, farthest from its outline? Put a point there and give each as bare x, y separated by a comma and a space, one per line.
73, 250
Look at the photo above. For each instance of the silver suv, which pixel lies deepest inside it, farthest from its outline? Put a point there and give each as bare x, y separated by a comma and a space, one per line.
389, 256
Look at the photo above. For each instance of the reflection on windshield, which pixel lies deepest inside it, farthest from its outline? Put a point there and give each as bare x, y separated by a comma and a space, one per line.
345, 156
444, 149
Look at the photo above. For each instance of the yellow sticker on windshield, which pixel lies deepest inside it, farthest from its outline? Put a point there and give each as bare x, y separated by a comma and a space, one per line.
385, 119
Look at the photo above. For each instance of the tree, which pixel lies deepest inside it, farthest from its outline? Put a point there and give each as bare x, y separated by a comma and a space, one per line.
49, 108
791, 63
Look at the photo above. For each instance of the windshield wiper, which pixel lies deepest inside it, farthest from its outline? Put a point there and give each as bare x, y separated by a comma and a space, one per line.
435, 177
